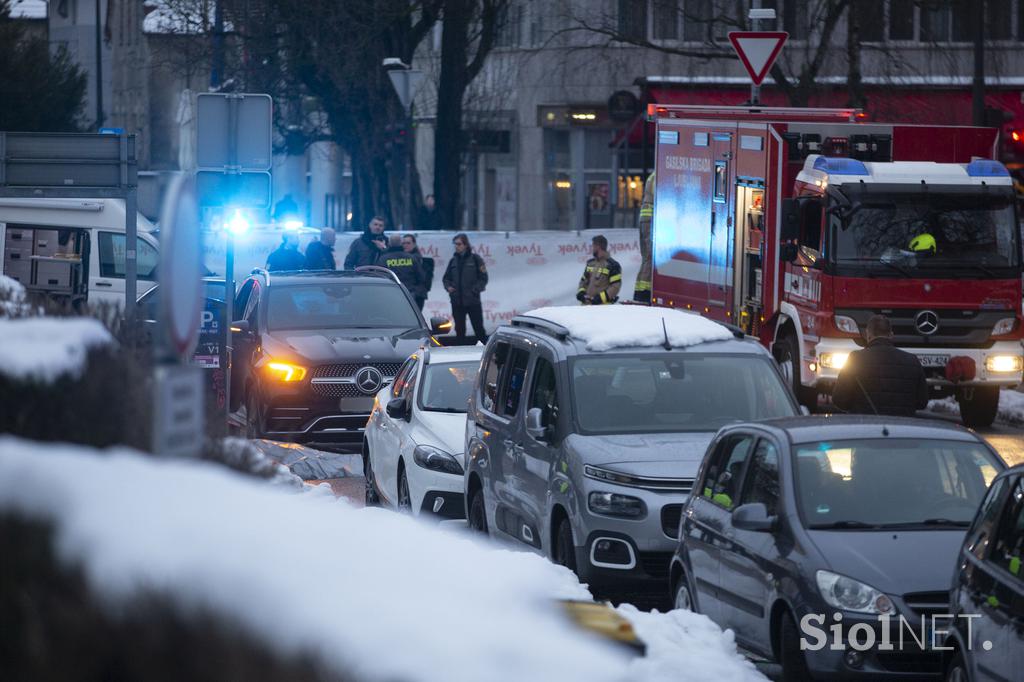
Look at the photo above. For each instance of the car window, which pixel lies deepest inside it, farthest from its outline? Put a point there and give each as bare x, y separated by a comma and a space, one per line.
446, 387
403, 374
111, 255
674, 391
892, 482
513, 384
723, 478
336, 304
492, 375
543, 392
1008, 548
762, 480
149, 304
252, 306
978, 536
242, 298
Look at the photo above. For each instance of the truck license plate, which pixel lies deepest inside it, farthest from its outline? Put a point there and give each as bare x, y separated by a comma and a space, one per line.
933, 360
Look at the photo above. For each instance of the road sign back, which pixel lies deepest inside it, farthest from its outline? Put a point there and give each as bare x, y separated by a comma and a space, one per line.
758, 50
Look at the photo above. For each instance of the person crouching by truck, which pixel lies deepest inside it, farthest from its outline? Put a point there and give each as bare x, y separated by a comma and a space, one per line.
464, 279
408, 267
602, 276
881, 378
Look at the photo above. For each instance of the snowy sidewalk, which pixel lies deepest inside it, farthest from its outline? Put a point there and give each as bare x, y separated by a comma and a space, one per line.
383, 595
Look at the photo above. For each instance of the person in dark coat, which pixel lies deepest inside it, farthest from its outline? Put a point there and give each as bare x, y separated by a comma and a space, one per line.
367, 248
286, 256
881, 378
409, 245
408, 267
464, 279
428, 218
320, 254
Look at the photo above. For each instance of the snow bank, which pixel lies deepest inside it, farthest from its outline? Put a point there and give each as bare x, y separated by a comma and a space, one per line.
44, 348
618, 326
13, 298
1011, 407
368, 590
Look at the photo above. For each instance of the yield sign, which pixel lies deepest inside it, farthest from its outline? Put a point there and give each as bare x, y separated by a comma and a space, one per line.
758, 50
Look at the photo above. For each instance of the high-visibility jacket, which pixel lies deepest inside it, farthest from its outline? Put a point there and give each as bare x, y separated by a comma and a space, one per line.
642, 289
601, 281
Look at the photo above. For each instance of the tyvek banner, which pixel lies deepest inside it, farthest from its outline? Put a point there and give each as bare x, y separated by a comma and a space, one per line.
526, 269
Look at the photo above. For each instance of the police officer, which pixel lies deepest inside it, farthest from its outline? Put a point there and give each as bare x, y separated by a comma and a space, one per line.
408, 267
642, 289
286, 256
602, 276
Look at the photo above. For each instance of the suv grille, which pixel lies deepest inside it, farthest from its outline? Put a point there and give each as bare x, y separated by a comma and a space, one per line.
670, 516
338, 391
388, 369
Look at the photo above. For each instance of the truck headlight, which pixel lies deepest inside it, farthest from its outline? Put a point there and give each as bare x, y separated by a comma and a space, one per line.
436, 460
847, 594
1004, 326
613, 504
1004, 363
833, 360
846, 324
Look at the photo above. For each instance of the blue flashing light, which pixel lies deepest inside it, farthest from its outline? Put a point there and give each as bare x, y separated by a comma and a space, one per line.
293, 224
986, 168
840, 166
238, 224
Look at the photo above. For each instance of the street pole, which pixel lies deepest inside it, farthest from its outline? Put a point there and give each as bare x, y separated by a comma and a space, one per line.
217, 62
99, 69
755, 89
978, 86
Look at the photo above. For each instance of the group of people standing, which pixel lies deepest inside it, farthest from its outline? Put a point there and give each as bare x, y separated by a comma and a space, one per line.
465, 277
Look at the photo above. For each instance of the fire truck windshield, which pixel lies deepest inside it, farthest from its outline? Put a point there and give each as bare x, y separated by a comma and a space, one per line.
927, 234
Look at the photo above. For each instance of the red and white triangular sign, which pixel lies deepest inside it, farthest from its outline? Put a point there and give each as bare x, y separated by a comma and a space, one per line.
758, 50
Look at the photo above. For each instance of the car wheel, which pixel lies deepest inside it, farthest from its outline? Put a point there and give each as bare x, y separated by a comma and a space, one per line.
371, 498
477, 513
253, 428
565, 550
979, 411
957, 670
404, 499
787, 354
794, 665
682, 599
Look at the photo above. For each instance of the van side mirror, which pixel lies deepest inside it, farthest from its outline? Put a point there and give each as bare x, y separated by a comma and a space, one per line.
753, 516
534, 425
397, 408
440, 325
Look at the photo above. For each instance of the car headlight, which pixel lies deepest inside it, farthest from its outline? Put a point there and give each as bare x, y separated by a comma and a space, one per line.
285, 371
833, 360
1004, 326
434, 459
1004, 363
846, 324
605, 475
847, 594
613, 504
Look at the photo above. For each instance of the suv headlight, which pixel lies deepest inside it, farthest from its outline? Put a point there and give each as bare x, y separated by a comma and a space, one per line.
285, 371
846, 324
434, 459
613, 504
847, 594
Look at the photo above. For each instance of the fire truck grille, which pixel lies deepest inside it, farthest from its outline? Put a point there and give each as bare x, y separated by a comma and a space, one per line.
953, 328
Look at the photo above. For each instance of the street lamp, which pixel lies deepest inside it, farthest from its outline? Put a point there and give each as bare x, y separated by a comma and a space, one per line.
406, 81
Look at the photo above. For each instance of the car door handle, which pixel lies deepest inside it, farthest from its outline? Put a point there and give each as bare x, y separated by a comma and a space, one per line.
104, 284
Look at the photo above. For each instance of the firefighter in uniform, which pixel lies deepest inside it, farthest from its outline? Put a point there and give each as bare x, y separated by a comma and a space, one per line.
642, 290
602, 276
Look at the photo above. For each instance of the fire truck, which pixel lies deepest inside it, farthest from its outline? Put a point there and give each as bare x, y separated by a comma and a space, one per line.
798, 225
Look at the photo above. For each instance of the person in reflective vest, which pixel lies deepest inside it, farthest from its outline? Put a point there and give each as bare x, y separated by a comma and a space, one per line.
642, 289
602, 276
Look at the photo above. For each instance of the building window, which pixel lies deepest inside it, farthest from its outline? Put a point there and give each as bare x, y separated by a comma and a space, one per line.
795, 15
509, 23
901, 20
870, 20
697, 18
633, 19
935, 22
666, 20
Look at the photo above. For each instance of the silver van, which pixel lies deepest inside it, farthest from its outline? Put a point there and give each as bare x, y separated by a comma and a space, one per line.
589, 456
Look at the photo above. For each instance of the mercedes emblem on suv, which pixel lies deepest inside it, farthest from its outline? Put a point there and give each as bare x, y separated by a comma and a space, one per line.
369, 380
927, 322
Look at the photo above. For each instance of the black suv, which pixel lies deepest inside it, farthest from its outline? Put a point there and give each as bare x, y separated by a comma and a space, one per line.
311, 349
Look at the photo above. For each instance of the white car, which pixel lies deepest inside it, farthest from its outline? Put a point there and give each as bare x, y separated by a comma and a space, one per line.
413, 445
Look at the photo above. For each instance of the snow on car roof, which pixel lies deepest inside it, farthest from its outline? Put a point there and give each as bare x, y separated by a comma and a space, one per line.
376, 594
456, 354
630, 326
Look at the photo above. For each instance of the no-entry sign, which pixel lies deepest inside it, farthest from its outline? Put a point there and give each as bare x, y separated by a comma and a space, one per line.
758, 50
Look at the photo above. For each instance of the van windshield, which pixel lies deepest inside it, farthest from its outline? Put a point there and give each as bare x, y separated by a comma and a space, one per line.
884, 483
675, 392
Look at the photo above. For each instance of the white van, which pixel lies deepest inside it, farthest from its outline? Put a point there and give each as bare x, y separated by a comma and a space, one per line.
74, 248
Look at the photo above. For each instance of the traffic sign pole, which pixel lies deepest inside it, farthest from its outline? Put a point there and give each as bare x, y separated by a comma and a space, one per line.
757, 51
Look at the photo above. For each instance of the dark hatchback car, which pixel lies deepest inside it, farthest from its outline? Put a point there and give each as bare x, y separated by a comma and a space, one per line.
311, 349
824, 530
987, 601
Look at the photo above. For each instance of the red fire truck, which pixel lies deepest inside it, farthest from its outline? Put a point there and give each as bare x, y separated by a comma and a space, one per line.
796, 225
